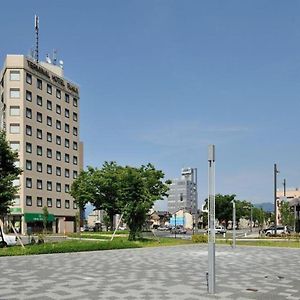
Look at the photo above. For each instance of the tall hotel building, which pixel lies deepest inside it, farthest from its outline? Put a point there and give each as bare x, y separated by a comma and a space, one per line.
40, 114
183, 192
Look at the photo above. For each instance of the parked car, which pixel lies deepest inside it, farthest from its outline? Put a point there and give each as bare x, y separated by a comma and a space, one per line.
219, 230
178, 230
280, 230
9, 240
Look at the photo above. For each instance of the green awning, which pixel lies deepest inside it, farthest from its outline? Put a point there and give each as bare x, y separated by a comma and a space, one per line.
32, 217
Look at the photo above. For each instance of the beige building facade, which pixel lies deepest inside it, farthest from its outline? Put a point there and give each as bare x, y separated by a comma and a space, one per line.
40, 114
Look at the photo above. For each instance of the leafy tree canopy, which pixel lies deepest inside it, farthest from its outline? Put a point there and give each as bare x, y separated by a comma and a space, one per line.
8, 173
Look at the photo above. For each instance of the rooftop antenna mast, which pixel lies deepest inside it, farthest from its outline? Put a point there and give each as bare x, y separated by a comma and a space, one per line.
36, 27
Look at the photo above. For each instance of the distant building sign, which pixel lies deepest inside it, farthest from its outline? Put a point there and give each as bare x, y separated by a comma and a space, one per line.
187, 171
54, 78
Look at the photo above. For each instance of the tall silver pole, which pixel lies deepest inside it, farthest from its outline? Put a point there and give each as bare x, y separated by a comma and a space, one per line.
211, 220
275, 196
251, 217
233, 224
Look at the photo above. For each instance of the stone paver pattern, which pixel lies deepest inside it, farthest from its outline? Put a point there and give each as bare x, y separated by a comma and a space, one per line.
153, 273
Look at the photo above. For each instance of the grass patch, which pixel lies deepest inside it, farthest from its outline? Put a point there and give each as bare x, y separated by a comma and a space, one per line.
68, 246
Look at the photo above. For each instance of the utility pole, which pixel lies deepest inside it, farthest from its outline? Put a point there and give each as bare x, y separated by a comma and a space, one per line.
211, 220
275, 196
284, 187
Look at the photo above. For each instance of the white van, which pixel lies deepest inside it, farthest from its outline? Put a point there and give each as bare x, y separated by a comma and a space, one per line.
9, 240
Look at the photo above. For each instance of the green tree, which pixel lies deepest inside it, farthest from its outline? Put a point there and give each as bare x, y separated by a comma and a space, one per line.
8, 173
140, 188
45, 218
287, 217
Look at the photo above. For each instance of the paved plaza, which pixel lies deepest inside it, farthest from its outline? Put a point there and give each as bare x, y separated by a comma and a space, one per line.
153, 273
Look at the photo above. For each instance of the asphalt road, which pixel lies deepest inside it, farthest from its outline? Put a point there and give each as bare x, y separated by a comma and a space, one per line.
153, 273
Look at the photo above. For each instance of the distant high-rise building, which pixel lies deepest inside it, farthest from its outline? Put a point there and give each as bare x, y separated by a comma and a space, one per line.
40, 114
183, 192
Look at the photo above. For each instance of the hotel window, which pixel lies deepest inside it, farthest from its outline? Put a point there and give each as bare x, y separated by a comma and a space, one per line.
39, 84
58, 109
17, 163
67, 98
49, 185
67, 143
28, 182
14, 75
28, 96
74, 205
67, 173
58, 203
16, 182
75, 117
75, 146
67, 128
28, 147
49, 89
28, 113
28, 78
49, 105
67, 188
28, 200
39, 150
49, 121
75, 102
39, 167
49, 169
39, 117
67, 204
39, 184
58, 140
28, 130
39, 100
39, 134
58, 94
67, 113
75, 160
15, 146
14, 110
58, 155
58, 187
17, 201
67, 158
58, 124
39, 201
75, 131
49, 153
28, 164
14, 128
49, 202
75, 173
49, 136
14, 93
58, 171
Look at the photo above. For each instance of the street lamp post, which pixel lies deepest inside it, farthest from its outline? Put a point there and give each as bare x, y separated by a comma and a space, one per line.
251, 217
211, 220
275, 196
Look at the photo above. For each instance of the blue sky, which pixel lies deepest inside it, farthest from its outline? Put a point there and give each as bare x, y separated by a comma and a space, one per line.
160, 80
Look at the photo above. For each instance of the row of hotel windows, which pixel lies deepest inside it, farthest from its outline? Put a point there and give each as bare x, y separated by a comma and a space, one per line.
15, 76
39, 202
39, 101
15, 146
39, 168
14, 128
39, 185
14, 93
58, 155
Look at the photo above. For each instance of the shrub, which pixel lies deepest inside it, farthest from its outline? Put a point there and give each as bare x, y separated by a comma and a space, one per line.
199, 238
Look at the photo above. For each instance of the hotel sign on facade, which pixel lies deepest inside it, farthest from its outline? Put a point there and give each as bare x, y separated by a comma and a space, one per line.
56, 79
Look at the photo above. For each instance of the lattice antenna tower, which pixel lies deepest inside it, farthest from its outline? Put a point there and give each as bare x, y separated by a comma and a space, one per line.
36, 27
